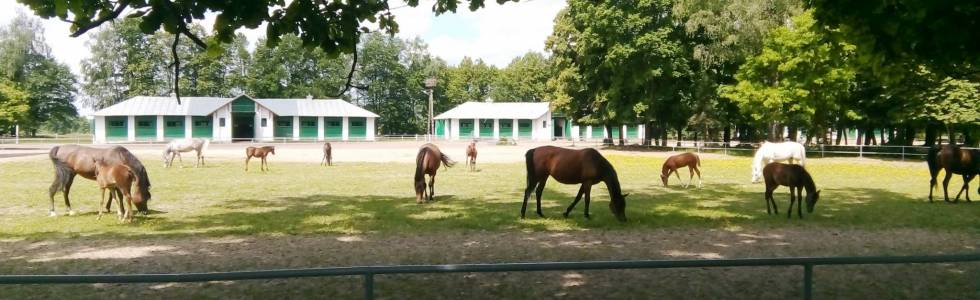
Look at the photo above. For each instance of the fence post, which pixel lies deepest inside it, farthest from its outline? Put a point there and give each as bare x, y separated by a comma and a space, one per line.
903, 153
821, 150
807, 282
860, 150
369, 286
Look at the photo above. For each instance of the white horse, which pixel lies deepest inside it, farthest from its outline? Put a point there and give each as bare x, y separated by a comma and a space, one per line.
175, 147
773, 152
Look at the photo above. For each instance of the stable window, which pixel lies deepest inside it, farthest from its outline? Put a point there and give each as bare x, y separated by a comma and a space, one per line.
201, 123
544, 124
264, 122
356, 123
117, 124
171, 124
309, 123
221, 122
333, 123
284, 123
143, 124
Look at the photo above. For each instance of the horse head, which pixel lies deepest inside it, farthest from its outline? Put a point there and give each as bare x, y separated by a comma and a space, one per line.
663, 178
618, 206
756, 173
165, 160
811, 201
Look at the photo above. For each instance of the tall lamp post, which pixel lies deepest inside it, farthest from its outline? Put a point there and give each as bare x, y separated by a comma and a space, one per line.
430, 84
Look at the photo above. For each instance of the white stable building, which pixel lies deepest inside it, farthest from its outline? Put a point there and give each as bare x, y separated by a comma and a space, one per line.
520, 121
240, 118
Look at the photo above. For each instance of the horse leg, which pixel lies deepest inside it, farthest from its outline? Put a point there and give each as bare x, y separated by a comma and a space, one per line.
792, 198
689, 170
67, 190
588, 199
432, 188
121, 210
55, 186
799, 202
180, 158
768, 200
946, 185
101, 204
246, 162
932, 185
578, 197
699, 176
537, 194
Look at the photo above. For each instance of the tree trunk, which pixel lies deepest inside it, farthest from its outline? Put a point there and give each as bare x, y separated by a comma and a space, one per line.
608, 139
647, 134
840, 135
678, 136
930, 139
793, 133
663, 135
727, 134
622, 141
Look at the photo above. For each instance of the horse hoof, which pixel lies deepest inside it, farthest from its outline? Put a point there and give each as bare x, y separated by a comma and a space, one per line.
565, 215
71, 212
52, 214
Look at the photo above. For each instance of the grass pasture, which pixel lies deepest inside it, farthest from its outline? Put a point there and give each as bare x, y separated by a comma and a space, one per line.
302, 215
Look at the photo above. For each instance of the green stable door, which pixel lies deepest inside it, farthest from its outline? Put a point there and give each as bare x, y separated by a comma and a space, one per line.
357, 129
633, 132
307, 128
486, 128
597, 132
201, 127
173, 127
507, 128
146, 127
116, 129
465, 129
284, 127
440, 127
524, 128
333, 128
615, 132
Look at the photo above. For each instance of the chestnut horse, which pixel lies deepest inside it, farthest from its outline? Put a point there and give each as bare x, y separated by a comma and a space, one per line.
327, 155
71, 160
471, 156
260, 152
119, 177
797, 179
568, 166
689, 160
955, 161
427, 162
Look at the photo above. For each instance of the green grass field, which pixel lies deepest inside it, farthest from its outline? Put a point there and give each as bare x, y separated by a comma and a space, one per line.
302, 215
364, 198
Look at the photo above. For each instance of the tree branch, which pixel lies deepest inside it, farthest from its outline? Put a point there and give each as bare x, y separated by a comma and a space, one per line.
193, 37
111, 16
173, 51
350, 77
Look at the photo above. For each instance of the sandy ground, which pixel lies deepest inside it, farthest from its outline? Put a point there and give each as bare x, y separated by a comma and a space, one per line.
202, 254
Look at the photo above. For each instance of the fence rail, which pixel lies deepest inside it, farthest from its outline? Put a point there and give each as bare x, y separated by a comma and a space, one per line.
368, 272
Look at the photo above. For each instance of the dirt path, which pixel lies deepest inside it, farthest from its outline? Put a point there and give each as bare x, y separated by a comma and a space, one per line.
204, 254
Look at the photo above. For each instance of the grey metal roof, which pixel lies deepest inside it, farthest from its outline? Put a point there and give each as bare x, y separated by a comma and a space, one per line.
203, 106
152, 106
315, 108
497, 110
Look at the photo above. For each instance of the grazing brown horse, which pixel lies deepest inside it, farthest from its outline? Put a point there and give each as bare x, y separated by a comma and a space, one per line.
955, 161
119, 177
260, 152
327, 155
471, 156
689, 160
427, 162
71, 160
797, 179
568, 166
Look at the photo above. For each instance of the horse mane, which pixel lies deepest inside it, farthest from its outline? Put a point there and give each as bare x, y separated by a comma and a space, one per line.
609, 175
419, 174
808, 183
138, 170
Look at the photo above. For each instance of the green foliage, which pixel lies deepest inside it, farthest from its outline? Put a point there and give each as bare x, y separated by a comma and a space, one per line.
798, 78
618, 61
525, 79
14, 105
124, 63
291, 70
470, 80
939, 34
392, 92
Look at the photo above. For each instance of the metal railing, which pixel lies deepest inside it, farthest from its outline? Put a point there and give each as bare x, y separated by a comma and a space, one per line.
902, 152
368, 272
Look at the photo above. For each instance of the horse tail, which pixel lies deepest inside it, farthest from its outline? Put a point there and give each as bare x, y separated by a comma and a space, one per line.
698, 158
448, 162
204, 149
932, 160
61, 172
529, 161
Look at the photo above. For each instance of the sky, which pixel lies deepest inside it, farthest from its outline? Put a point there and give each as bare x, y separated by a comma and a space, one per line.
496, 33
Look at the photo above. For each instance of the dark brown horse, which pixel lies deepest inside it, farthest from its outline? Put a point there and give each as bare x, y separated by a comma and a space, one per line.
689, 160
327, 155
118, 177
71, 160
955, 161
586, 167
797, 179
471, 156
260, 152
427, 162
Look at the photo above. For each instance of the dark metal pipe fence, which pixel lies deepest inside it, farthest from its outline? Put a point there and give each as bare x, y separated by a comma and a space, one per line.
368, 272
